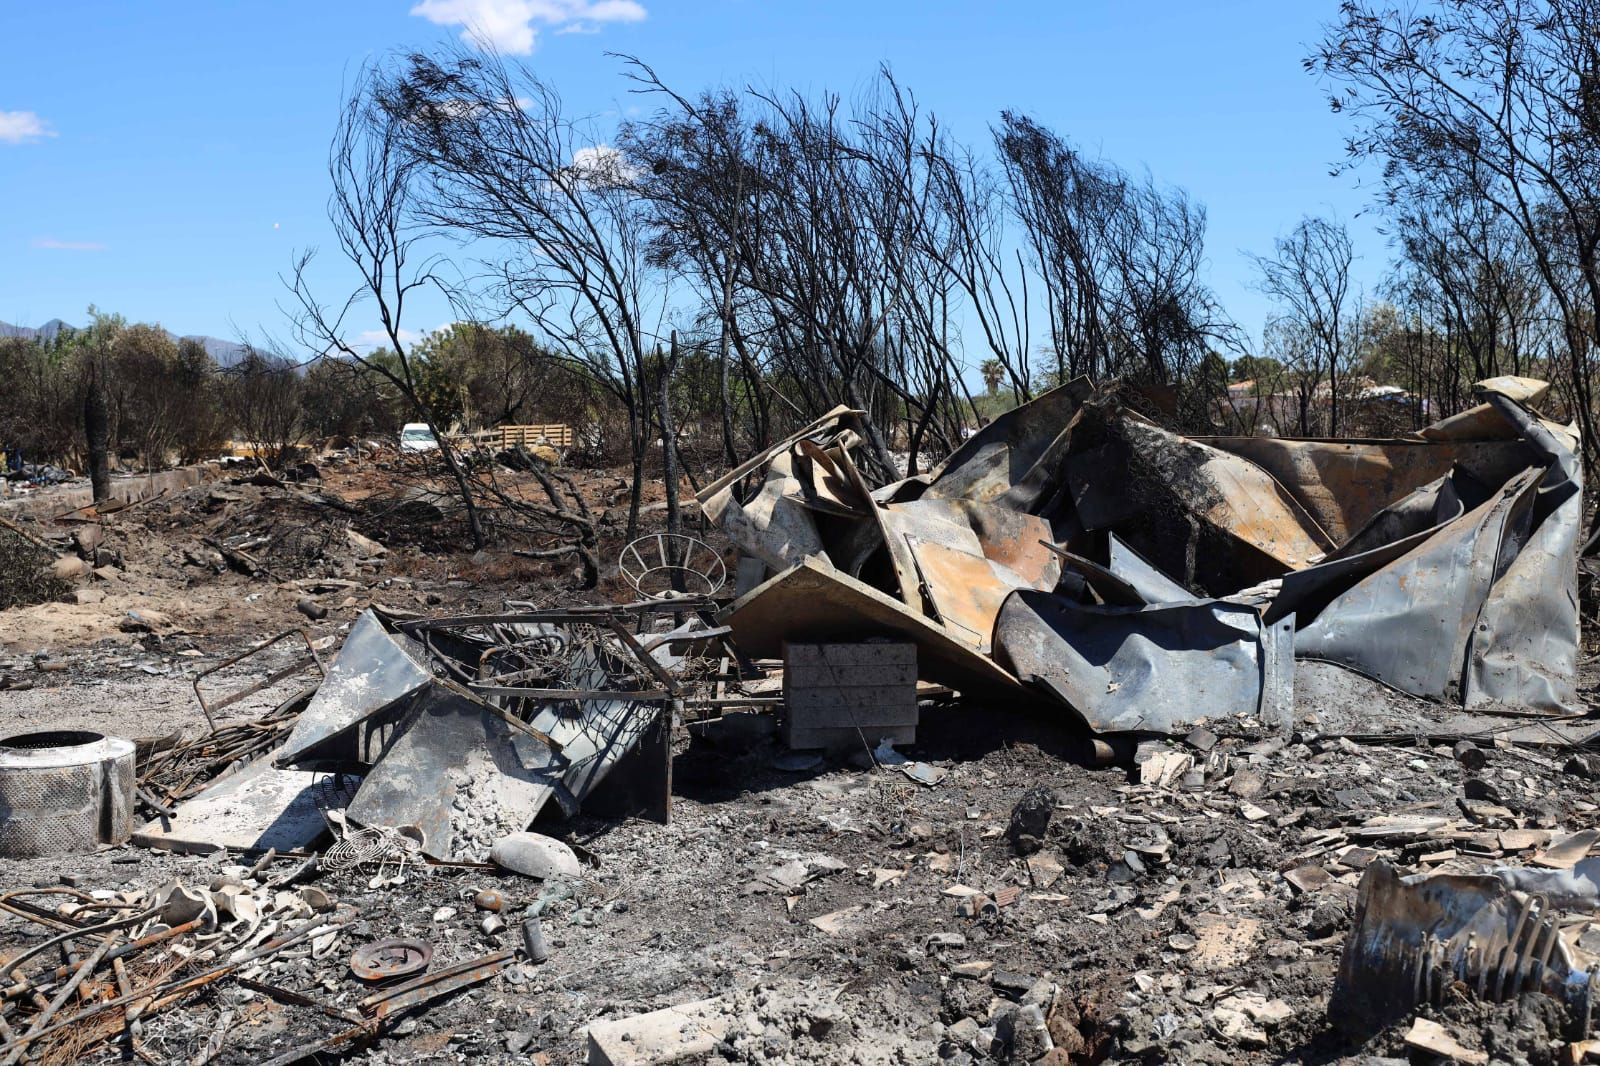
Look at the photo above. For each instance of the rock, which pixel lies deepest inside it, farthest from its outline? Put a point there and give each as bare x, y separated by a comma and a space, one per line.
1030, 818
673, 1034
144, 620
1065, 1035
107, 573
365, 547
1023, 1031
1470, 755
69, 568
88, 538
85, 597
310, 608
1328, 919
1235, 1026
535, 855
1012, 984
1584, 766
963, 1032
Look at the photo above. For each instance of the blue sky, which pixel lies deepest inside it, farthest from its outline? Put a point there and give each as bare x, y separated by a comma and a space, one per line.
165, 160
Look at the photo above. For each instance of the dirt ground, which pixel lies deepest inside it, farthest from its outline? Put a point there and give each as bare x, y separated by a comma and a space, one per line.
831, 908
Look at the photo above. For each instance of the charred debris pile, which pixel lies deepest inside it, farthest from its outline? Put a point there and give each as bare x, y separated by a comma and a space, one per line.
1071, 561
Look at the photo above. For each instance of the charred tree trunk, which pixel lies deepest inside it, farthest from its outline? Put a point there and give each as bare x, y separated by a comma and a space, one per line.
97, 434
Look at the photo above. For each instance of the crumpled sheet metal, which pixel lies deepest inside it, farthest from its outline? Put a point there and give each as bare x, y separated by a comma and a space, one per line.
1415, 938
1442, 569
1342, 484
1013, 459
1149, 583
1400, 623
775, 525
1524, 647
1238, 498
374, 671
965, 557
597, 734
1150, 669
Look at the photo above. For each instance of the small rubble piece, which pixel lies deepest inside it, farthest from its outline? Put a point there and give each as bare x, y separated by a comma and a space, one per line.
1162, 767
1030, 819
848, 695
671, 1034
1431, 1037
365, 547
311, 608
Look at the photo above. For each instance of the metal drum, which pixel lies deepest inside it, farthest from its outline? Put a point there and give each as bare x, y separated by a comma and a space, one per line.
64, 792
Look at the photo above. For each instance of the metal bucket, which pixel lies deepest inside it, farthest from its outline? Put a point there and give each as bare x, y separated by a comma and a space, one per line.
64, 792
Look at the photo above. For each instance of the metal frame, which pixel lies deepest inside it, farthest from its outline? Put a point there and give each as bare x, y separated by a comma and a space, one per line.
311, 659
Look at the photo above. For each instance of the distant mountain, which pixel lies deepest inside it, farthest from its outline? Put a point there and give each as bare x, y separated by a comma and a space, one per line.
28, 333
226, 353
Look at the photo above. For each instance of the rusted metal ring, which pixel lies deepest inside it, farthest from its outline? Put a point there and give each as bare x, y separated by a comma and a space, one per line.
384, 960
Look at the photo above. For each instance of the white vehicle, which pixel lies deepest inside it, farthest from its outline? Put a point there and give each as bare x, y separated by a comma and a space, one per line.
417, 437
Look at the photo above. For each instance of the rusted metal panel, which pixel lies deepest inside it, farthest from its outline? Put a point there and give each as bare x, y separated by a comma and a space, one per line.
1343, 484
1013, 539
966, 589
1234, 495
1157, 668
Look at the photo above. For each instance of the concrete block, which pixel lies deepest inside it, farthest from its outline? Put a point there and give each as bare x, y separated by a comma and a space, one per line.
837, 694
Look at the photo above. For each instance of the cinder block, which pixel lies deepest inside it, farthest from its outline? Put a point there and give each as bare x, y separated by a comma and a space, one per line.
836, 695
868, 653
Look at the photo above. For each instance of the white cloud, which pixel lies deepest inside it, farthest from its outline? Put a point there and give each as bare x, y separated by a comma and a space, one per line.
512, 26
20, 127
602, 166
53, 244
